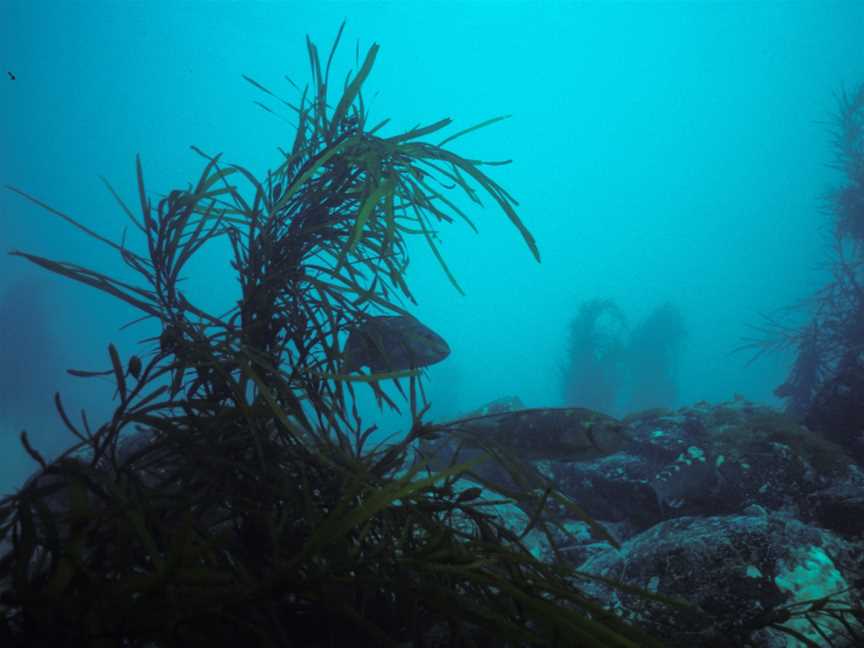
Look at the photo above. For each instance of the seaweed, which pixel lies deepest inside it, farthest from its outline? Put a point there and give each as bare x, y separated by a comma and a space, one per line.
233, 498
831, 334
612, 367
591, 377
652, 357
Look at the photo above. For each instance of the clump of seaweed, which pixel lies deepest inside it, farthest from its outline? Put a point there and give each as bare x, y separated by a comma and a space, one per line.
652, 357
232, 498
832, 335
595, 349
611, 366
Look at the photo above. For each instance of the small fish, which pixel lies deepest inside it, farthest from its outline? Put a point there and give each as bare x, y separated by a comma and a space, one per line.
392, 343
11, 76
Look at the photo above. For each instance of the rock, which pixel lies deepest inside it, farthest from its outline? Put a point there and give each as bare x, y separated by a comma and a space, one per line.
736, 573
734, 507
839, 508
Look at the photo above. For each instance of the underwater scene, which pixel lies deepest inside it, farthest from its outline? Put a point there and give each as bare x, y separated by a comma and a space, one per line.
437, 324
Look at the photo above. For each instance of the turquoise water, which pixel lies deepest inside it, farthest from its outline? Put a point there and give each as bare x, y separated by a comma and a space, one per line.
661, 152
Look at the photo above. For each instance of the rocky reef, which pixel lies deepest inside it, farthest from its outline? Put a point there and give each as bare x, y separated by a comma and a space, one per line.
751, 518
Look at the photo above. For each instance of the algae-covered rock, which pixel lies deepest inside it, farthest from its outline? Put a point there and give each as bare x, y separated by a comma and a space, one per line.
738, 574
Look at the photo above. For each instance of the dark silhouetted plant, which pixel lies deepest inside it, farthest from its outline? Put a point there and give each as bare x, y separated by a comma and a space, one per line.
652, 356
592, 376
832, 334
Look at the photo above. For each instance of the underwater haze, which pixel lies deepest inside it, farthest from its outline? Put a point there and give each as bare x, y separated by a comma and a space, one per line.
662, 154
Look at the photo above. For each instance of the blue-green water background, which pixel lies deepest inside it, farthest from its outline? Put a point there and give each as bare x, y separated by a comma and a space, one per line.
673, 151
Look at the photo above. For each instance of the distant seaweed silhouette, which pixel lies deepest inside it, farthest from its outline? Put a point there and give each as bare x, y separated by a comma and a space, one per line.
30, 365
595, 345
611, 367
652, 357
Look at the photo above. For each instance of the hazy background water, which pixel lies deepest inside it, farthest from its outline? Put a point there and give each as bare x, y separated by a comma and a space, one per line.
661, 152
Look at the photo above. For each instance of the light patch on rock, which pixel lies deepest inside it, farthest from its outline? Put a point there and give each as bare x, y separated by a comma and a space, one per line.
812, 576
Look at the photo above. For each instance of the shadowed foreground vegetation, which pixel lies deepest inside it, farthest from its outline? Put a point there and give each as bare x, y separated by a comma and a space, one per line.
233, 499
